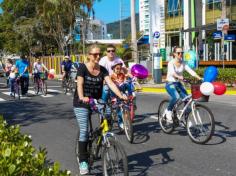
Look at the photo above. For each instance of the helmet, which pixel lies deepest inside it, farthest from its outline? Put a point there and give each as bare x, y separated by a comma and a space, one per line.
116, 62
67, 57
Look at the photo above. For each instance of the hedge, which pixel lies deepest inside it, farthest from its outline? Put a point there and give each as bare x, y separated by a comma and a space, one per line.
19, 158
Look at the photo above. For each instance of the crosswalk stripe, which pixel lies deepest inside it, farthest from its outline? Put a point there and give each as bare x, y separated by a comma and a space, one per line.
52, 90
8, 93
1, 99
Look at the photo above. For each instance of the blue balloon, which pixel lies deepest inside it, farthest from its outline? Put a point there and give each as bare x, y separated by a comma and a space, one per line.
210, 74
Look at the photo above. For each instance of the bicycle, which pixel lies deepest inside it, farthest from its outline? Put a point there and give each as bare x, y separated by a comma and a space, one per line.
40, 84
68, 83
17, 89
125, 108
102, 142
186, 111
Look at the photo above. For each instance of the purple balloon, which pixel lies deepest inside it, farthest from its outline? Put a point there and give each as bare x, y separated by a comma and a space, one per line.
139, 71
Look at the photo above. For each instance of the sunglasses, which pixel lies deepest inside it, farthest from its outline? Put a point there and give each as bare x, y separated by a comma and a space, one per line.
180, 53
95, 54
109, 51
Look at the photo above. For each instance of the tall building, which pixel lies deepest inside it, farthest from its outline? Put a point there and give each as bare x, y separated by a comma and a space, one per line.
96, 29
191, 24
144, 16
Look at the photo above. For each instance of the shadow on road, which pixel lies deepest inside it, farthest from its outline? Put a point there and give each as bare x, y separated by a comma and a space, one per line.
142, 130
26, 112
139, 163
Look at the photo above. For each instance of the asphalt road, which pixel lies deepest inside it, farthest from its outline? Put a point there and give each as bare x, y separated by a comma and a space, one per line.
51, 123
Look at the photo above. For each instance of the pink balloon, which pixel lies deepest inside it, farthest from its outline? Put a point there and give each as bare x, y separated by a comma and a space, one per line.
139, 71
219, 88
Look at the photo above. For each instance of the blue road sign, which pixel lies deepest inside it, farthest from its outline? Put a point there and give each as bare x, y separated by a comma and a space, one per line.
217, 35
156, 35
230, 37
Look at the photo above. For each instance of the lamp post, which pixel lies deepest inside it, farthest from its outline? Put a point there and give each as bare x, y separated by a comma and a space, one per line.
133, 32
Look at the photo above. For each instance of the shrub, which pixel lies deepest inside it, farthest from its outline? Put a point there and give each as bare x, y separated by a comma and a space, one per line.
19, 158
227, 75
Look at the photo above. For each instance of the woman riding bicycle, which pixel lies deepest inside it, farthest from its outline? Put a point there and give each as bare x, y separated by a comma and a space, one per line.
174, 87
38, 69
90, 80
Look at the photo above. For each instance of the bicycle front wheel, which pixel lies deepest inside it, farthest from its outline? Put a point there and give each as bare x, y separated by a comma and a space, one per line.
200, 124
164, 124
44, 87
128, 127
114, 159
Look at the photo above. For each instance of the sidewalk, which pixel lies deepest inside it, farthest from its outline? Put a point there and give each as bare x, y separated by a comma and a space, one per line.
152, 87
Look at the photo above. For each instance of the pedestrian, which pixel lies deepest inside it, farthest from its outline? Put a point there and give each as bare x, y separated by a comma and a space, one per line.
90, 80
22, 66
174, 87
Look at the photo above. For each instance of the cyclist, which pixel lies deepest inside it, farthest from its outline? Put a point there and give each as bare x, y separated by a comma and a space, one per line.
174, 87
38, 67
107, 62
22, 66
8, 66
119, 78
90, 80
12, 77
66, 66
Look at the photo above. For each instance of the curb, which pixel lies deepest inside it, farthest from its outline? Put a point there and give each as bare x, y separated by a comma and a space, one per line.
163, 90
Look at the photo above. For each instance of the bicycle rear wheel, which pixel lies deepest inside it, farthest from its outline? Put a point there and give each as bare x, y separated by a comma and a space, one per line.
165, 126
201, 126
128, 127
114, 159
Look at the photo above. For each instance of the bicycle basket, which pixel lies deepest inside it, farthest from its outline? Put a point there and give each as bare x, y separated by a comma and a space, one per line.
43, 76
197, 95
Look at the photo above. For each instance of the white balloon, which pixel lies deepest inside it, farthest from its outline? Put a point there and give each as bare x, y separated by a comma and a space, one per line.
207, 88
52, 71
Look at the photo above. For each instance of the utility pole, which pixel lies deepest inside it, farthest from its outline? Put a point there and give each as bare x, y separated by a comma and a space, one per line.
133, 32
223, 16
121, 9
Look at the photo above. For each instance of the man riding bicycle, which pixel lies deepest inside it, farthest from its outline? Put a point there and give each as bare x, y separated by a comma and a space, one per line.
66, 66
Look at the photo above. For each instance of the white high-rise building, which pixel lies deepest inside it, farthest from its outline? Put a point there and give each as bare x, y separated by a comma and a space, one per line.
97, 30
144, 16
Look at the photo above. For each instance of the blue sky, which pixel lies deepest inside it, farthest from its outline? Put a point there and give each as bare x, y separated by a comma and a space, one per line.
0, 8
109, 10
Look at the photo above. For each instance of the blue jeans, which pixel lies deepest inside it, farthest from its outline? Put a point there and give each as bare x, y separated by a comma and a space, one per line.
176, 90
106, 93
11, 83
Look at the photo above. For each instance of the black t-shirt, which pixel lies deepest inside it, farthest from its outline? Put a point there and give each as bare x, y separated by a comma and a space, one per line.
92, 84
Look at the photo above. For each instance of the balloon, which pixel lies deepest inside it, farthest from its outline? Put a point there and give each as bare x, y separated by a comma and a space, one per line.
206, 88
210, 74
219, 88
190, 58
52, 71
139, 71
50, 76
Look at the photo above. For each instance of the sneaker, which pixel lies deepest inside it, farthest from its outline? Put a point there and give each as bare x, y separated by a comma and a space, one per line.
11, 94
83, 167
169, 116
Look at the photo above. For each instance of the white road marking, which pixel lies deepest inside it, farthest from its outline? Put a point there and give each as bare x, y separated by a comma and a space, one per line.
8, 93
1, 99
56, 91
154, 117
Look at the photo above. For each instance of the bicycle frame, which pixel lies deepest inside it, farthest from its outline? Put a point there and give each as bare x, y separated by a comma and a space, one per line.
193, 103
